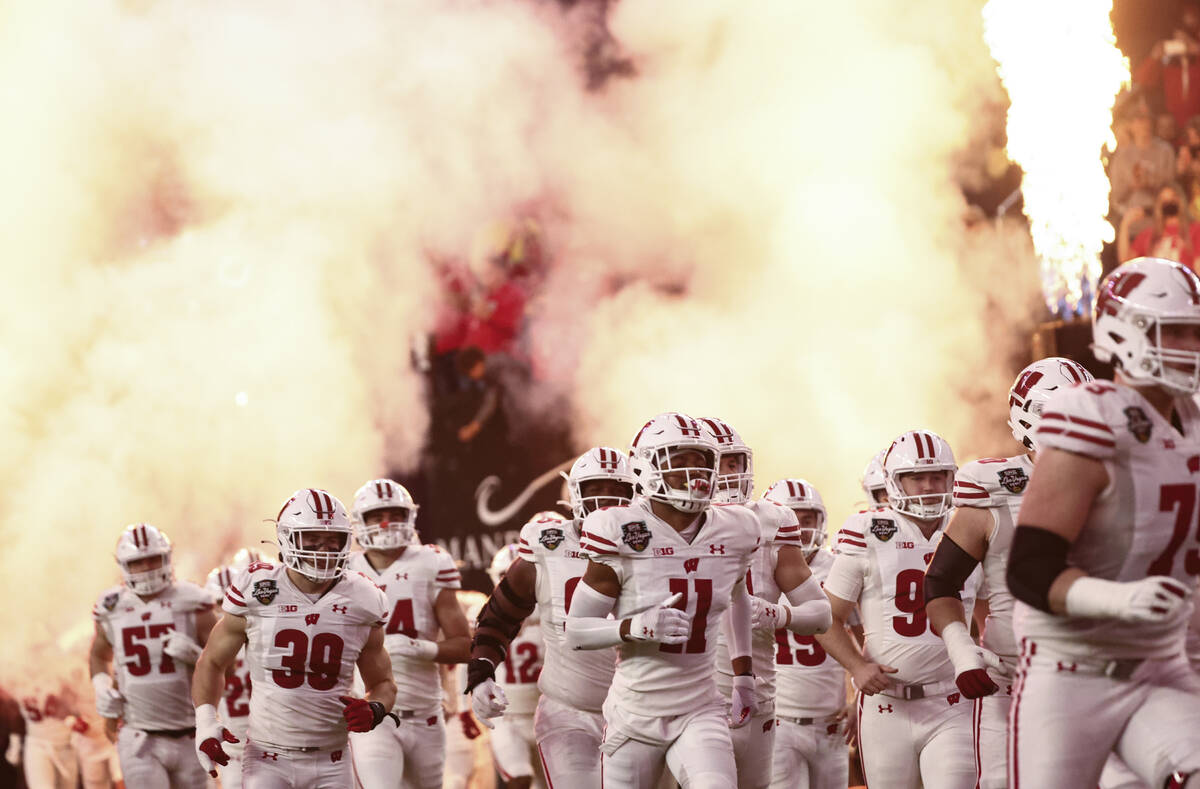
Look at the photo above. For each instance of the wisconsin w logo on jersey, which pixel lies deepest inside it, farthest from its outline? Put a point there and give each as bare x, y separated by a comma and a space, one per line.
635, 535
1014, 480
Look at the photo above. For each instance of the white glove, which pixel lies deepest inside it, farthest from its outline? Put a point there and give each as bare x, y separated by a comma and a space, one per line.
965, 654
13, 754
109, 701
768, 616
181, 647
402, 645
661, 623
1153, 599
488, 701
742, 704
210, 735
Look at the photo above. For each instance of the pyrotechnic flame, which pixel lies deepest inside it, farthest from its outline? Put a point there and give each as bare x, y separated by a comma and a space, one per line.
1062, 69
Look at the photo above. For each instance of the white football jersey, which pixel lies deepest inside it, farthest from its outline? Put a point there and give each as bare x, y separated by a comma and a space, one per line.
412, 584
157, 690
1141, 524
578, 678
880, 564
996, 484
779, 527
302, 652
518, 674
653, 562
45, 718
811, 684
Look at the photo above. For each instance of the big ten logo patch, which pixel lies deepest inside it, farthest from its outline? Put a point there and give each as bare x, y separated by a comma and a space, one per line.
667, 551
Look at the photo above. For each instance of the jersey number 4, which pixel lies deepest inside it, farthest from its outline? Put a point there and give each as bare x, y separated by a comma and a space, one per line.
319, 660
704, 592
402, 620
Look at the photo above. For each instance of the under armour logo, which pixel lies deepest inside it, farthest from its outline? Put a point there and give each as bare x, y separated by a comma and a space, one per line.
953, 698
311, 619
885, 708
335, 756
717, 549
691, 565
1194, 463
648, 632
1066, 666
767, 726
1008, 690
339, 609
272, 756
401, 576
145, 616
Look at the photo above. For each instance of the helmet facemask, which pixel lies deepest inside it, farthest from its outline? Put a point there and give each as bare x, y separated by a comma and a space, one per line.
150, 581
735, 477
386, 528
812, 536
923, 506
1176, 371
317, 564
593, 493
690, 487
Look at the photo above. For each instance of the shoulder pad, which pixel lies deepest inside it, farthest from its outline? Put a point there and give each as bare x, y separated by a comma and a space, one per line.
1085, 418
988, 482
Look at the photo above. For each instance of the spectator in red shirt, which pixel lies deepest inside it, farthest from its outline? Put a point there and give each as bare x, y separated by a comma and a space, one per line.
497, 311
1174, 64
1172, 235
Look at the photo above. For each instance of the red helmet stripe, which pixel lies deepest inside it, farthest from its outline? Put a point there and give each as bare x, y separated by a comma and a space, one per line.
920, 448
932, 449
791, 488
328, 504
318, 504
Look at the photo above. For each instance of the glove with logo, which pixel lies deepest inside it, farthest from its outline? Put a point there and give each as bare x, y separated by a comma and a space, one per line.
768, 616
181, 647
488, 701
210, 734
661, 623
742, 704
402, 645
1153, 599
360, 714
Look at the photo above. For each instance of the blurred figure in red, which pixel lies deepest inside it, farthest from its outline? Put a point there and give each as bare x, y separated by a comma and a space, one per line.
1174, 66
1172, 235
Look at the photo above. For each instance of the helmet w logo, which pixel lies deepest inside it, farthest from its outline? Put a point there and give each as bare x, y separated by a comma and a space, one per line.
608, 459
383, 490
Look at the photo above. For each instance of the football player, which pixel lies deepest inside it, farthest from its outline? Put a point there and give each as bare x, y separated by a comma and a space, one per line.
811, 711
987, 496
513, 737
306, 623
873, 483
668, 565
1105, 557
149, 632
568, 723
784, 595
916, 728
234, 709
49, 758
420, 582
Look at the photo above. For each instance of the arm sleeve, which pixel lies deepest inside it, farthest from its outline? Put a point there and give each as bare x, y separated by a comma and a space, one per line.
736, 622
588, 625
811, 612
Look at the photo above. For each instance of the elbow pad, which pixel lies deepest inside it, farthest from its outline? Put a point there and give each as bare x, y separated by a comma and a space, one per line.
587, 625
811, 618
948, 571
501, 618
805, 592
1037, 558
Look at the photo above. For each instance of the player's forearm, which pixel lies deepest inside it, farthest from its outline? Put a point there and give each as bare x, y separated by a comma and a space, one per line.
208, 680
840, 646
98, 665
810, 618
736, 624
456, 649
944, 610
384, 692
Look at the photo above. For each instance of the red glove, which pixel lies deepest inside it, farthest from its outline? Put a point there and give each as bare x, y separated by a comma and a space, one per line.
360, 714
80, 726
469, 726
975, 683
